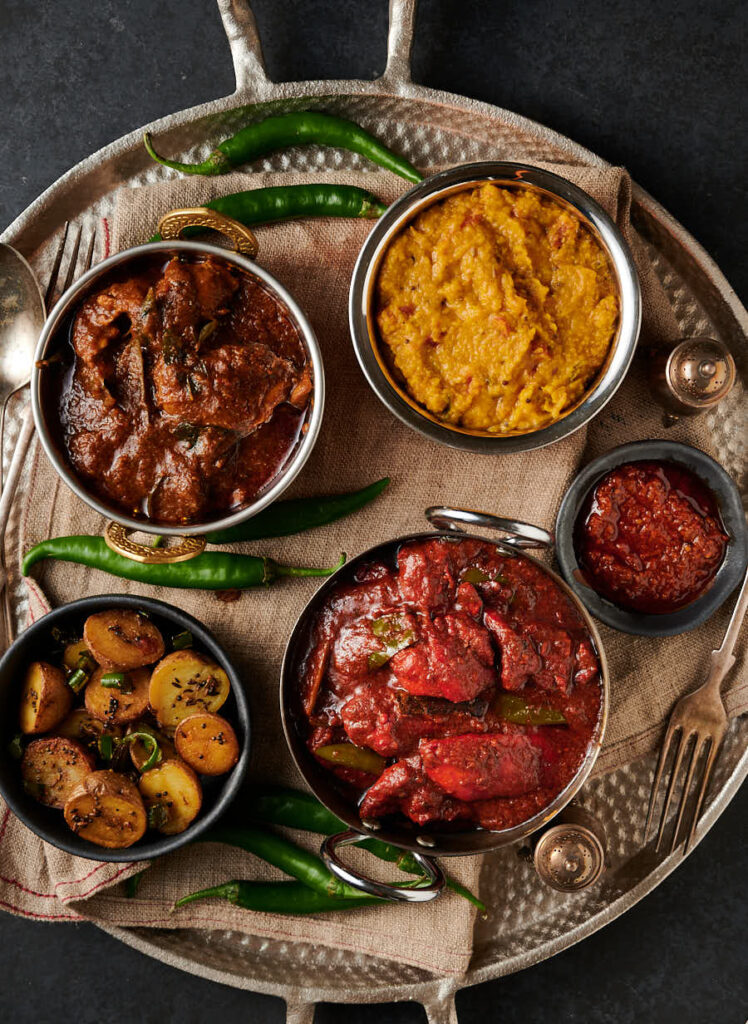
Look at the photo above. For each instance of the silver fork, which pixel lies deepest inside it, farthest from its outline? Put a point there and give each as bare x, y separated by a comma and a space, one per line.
27, 422
700, 715
50, 297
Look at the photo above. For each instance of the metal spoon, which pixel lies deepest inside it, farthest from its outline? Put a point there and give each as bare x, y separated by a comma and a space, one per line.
22, 315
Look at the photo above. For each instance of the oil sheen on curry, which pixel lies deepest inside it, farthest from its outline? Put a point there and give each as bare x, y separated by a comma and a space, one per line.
457, 685
497, 308
183, 389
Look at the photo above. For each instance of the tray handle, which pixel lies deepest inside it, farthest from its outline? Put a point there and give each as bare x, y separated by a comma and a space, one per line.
519, 534
396, 893
252, 82
397, 74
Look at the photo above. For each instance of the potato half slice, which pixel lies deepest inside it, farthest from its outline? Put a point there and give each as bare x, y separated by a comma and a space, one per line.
52, 767
207, 743
46, 698
117, 706
76, 655
81, 725
122, 639
173, 796
185, 682
106, 809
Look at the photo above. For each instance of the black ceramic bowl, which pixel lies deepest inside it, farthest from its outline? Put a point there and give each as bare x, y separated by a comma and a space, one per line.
47, 822
729, 574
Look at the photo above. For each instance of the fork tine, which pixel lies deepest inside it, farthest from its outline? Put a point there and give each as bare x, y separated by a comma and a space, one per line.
698, 744
711, 757
682, 740
89, 252
52, 283
70, 276
658, 776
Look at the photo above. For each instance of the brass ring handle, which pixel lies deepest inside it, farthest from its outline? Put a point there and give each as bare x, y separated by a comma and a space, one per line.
173, 223
117, 538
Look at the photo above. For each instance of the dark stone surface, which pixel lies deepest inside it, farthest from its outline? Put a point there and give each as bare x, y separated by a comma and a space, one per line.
658, 87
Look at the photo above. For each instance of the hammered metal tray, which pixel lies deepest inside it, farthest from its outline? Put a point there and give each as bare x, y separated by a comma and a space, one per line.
430, 128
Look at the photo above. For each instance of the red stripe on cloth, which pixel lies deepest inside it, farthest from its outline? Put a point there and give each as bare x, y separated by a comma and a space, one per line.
107, 239
45, 917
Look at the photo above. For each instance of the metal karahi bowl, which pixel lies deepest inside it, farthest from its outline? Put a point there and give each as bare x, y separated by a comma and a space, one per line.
47, 822
434, 189
451, 841
728, 576
50, 337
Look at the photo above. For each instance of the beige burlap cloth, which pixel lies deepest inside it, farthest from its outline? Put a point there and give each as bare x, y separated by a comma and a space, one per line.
360, 441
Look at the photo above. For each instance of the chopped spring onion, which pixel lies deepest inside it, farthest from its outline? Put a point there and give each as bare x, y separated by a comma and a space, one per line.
116, 681
182, 640
157, 816
151, 742
15, 747
106, 747
78, 680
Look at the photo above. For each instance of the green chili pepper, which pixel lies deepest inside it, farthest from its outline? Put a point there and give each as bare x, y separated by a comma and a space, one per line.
291, 808
390, 630
301, 128
283, 518
132, 884
290, 202
182, 641
114, 681
276, 898
346, 755
287, 856
515, 709
78, 680
213, 570
474, 575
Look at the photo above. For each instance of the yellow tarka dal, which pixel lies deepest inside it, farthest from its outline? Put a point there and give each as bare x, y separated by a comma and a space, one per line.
497, 308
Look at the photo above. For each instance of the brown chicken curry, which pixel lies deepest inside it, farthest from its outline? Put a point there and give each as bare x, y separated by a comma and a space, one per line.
183, 389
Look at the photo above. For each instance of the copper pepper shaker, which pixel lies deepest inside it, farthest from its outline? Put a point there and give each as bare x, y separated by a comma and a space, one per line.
570, 854
694, 376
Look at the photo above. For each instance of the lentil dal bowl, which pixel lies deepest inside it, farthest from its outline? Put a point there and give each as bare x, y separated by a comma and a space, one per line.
495, 307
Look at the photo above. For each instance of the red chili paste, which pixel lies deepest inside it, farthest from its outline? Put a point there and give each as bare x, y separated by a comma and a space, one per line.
650, 537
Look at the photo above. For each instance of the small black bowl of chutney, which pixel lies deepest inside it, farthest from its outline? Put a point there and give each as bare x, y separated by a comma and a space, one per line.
652, 537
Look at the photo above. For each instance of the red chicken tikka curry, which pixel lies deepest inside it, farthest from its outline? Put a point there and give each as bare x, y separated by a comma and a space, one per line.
460, 684
186, 391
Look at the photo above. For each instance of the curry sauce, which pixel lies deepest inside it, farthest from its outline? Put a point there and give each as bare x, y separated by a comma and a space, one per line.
182, 389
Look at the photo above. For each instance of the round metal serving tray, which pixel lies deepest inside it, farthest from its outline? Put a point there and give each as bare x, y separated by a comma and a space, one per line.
431, 128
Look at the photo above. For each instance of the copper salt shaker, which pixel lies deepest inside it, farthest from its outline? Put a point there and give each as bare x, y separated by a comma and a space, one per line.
694, 376
570, 854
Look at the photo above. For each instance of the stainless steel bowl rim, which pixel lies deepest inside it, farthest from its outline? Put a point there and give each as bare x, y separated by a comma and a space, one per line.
729, 574
300, 456
438, 844
430, 190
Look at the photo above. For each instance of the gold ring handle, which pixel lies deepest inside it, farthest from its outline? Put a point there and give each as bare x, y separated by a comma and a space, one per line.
117, 538
173, 223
